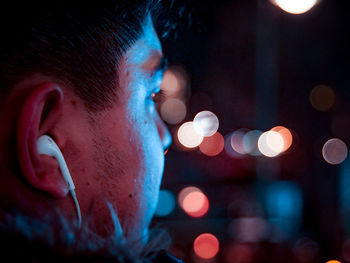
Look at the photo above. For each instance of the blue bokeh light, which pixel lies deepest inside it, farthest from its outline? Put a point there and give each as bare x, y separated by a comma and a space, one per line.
166, 203
284, 206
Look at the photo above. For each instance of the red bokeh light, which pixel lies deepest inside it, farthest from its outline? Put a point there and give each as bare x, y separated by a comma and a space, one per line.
195, 204
206, 246
212, 145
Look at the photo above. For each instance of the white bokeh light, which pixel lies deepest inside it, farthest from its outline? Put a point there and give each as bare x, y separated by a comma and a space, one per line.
173, 111
188, 136
295, 6
237, 141
270, 143
275, 141
334, 151
228, 147
206, 123
250, 142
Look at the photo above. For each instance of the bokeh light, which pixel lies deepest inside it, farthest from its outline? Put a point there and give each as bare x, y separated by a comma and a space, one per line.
206, 246
250, 142
270, 143
275, 141
284, 206
236, 141
166, 203
193, 201
286, 136
173, 111
212, 145
295, 6
322, 97
334, 151
184, 192
206, 123
228, 147
333, 261
248, 229
188, 136
196, 204
174, 81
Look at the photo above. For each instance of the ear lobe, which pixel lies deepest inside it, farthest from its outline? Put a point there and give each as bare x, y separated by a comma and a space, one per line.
38, 116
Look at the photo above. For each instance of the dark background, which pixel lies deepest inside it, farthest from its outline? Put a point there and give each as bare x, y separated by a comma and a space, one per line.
258, 65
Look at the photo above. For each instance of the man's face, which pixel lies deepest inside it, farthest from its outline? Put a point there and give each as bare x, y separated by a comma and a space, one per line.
120, 158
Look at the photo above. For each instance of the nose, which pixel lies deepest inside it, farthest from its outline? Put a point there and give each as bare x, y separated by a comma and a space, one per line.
164, 133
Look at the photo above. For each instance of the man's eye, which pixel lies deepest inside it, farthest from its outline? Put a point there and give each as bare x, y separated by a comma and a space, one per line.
158, 96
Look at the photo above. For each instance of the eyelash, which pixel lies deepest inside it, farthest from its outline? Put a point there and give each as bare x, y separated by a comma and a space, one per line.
158, 96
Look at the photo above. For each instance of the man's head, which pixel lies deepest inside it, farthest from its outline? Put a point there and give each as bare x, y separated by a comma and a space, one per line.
87, 76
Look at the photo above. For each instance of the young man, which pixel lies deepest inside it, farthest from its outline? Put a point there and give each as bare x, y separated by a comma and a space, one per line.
87, 76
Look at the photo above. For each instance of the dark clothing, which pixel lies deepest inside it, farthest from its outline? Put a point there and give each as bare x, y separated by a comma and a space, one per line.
23, 239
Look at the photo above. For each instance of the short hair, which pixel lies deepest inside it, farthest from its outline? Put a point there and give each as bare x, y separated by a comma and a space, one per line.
78, 45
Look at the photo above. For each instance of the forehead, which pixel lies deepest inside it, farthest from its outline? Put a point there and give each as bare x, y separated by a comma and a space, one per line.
146, 46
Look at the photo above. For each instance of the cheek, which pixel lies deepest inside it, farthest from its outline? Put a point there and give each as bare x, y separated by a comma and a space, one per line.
150, 157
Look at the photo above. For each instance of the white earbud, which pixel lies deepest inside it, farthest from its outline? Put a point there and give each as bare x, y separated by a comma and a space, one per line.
46, 145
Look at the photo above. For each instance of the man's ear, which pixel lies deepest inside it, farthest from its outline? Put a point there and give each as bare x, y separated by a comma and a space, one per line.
39, 114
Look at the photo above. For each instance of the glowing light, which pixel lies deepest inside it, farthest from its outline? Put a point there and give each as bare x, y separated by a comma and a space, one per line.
333, 261
184, 192
284, 199
228, 147
206, 123
173, 111
295, 6
212, 145
275, 141
174, 81
284, 204
166, 203
334, 151
196, 204
250, 142
286, 136
322, 97
206, 246
237, 141
270, 143
193, 201
188, 136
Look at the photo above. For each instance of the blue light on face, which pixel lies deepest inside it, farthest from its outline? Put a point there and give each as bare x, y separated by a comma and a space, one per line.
166, 203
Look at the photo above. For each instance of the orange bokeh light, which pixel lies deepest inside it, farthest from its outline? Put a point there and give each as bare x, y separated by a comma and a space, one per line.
333, 261
286, 135
212, 145
206, 246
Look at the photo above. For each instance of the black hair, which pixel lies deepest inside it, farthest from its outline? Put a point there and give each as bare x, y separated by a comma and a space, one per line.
78, 44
